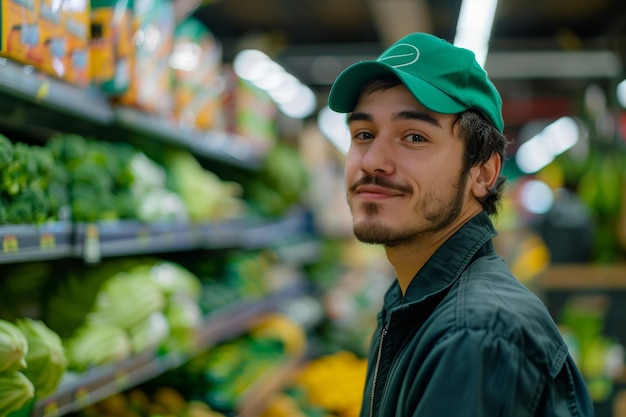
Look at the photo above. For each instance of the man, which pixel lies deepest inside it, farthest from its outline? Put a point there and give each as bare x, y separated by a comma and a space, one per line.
458, 335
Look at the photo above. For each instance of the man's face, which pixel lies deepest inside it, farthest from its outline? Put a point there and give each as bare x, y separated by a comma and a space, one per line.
403, 169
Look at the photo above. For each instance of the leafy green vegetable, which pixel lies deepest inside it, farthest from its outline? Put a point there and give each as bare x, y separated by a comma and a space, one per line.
149, 333
184, 317
16, 390
175, 280
95, 345
13, 347
125, 300
6, 152
46, 356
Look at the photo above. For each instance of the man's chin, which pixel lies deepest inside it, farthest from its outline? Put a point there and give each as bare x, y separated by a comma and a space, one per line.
372, 232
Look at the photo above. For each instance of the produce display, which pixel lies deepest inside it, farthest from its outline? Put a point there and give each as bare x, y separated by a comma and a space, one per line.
32, 185
100, 315
214, 382
74, 178
124, 309
281, 183
342, 370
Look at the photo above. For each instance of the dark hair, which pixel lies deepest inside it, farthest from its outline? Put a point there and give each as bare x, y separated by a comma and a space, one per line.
482, 140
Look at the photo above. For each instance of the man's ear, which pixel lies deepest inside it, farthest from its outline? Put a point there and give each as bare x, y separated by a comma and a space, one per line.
486, 176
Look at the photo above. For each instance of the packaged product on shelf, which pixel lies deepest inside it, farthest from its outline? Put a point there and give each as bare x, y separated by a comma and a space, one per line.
76, 23
110, 47
151, 85
196, 63
20, 31
53, 42
249, 112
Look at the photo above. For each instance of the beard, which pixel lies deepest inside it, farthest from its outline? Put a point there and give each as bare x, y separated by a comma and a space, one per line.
439, 209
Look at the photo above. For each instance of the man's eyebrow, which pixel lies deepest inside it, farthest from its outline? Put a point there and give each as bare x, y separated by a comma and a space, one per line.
352, 117
416, 115
403, 115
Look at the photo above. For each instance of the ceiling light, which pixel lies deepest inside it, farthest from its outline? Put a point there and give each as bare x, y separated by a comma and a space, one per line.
536, 197
292, 97
473, 29
553, 140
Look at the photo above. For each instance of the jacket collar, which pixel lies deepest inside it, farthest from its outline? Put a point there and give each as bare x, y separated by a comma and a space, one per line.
447, 263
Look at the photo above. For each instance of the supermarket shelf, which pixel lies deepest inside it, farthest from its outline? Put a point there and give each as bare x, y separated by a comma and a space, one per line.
261, 234
26, 83
30, 99
109, 239
48, 241
94, 241
214, 145
82, 390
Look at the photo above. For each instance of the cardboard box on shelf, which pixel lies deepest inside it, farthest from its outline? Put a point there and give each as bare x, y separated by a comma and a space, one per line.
196, 63
53, 43
111, 46
76, 23
20, 31
150, 87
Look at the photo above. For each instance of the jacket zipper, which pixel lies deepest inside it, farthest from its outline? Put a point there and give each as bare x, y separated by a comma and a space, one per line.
383, 333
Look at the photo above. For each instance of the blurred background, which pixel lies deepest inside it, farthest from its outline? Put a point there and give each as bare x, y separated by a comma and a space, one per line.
175, 237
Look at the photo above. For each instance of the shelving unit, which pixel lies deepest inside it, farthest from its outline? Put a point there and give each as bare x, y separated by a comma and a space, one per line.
93, 241
35, 105
24, 243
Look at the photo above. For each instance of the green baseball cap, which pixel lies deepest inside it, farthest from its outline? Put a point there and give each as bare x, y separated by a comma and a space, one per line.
442, 77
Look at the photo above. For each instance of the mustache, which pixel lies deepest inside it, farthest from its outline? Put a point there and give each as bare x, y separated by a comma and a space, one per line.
381, 182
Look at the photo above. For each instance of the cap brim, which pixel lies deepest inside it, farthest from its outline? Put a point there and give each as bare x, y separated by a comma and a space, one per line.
346, 89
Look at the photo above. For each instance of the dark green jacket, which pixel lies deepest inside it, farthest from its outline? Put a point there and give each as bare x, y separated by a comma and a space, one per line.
468, 339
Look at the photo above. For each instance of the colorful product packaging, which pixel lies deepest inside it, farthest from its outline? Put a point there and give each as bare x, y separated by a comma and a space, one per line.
151, 82
20, 31
111, 45
53, 40
76, 22
196, 63
255, 115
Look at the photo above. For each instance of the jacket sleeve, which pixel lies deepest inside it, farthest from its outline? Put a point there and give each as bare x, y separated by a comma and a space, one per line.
476, 373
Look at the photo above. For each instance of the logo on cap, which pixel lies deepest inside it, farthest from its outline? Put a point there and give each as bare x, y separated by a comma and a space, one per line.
401, 55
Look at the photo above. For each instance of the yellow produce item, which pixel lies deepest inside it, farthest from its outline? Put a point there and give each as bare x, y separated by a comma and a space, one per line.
282, 328
343, 371
170, 399
282, 405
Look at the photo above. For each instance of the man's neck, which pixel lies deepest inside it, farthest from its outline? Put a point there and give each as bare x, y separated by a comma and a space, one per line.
407, 260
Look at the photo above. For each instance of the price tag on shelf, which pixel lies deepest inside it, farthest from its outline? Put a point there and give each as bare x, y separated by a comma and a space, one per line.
47, 241
10, 244
43, 91
121, 379
51, 409
91, 250
81, 396
143, 236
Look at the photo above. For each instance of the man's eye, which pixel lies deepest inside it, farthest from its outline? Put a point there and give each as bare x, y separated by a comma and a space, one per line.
415, 137
363, 135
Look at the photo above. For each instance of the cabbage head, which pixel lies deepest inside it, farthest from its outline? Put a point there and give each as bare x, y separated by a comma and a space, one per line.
13, 347
16, 390
46, 356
